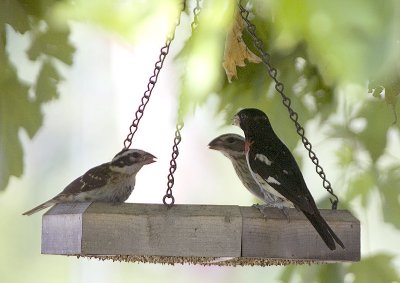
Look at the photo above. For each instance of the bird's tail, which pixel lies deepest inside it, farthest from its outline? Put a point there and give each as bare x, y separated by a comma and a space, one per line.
40, 207
324, 230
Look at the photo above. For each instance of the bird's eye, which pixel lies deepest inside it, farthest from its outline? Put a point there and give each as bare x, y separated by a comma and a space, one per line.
135, 155
230, 140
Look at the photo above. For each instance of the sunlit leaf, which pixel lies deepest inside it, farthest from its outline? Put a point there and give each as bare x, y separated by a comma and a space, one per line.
378, 269
345, 155
202, 54
389, 89
358, 55
132, 20
236, 52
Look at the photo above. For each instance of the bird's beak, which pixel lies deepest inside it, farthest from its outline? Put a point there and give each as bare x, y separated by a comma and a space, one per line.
149, 158
236, 120
213, 144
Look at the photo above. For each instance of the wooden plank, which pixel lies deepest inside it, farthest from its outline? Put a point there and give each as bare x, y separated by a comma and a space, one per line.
274, 237
194, 231
143, 229
62, 229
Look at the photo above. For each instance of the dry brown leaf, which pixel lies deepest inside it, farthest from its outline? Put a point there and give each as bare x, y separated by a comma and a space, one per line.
236, 50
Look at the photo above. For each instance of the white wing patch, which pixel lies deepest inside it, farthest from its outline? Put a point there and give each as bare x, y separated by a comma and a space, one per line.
264, 186
263, 159
272, 180
267, 187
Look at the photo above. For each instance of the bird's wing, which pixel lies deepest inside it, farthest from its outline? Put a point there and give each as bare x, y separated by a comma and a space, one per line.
276, 165
92, 179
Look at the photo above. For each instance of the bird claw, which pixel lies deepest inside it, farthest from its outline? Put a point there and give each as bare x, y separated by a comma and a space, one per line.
284, 210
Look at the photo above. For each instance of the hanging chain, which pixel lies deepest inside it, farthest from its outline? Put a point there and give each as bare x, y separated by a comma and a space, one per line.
168, 198
152, 82
273, 73
172, 164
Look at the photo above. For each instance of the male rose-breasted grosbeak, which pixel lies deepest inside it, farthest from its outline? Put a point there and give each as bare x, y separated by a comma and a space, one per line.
232, 146
271, 163
111, 182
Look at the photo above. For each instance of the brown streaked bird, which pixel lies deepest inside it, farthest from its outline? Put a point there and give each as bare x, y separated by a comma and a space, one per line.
273, 166
232, 146
111, 182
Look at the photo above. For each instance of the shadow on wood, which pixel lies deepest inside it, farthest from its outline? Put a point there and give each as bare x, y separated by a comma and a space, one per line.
203, 234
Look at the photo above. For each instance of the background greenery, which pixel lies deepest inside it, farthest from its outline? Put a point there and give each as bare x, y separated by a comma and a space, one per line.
339, 62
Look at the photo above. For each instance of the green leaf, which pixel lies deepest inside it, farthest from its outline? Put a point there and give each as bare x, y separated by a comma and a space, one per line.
360, 186
17, 112
288, 273
345, 155
46, 85
12, 12
52, 42
388, 188
378, 269
328, 273
378, 117
202, 55
331, 273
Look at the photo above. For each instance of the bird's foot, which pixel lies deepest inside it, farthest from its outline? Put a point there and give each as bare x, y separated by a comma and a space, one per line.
262, 207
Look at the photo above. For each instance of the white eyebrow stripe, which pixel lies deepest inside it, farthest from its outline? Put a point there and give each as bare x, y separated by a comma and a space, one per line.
272, 180
263, 159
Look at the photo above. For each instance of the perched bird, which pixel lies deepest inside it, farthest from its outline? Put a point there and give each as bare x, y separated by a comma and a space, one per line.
232, 146
111, 182
272, 165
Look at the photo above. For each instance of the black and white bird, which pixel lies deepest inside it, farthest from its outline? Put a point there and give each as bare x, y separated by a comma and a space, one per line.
272, 165
111, 182
232, 146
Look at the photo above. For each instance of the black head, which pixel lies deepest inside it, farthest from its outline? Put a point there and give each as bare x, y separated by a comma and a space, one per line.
252, 121
130, 159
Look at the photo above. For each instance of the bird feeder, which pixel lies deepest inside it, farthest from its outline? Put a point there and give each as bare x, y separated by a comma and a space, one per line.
197, 234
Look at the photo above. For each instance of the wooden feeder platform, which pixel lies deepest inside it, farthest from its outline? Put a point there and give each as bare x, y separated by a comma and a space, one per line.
195, 234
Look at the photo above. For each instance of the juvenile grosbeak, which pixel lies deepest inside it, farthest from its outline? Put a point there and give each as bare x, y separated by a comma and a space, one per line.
232, 146
273, 166
111, 182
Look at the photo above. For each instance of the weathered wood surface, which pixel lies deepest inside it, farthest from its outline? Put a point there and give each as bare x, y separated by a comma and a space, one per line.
143, 229
194, 231
275, 237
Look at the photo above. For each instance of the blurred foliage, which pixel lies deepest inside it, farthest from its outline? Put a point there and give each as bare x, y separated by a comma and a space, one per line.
319, 47
377, 268
131, 20
20, 100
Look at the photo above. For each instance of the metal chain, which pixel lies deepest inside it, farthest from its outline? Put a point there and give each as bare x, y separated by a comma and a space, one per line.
168, 198
173, 165
151, 84
273, 73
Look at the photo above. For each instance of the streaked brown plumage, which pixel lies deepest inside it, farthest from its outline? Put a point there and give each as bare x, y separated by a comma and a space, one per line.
232, 146
109, 182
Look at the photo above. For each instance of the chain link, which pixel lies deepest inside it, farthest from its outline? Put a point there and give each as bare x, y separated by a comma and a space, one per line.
168, 198
151, 84
273, 73
173, 164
